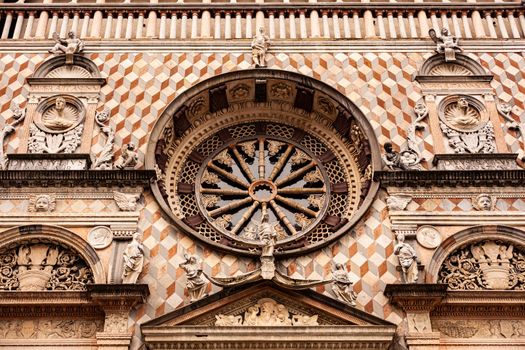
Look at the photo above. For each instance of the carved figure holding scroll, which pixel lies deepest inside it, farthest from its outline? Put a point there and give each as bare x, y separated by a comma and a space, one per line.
407, 259
195, 283
133, 260
342, 286
260, 45
445, 43
68, 46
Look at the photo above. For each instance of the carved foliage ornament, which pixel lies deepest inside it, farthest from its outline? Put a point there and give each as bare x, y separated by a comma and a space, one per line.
42, 266
485, 265
267, 312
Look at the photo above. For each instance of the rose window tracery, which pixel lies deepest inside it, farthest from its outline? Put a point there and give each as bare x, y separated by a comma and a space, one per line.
304, 166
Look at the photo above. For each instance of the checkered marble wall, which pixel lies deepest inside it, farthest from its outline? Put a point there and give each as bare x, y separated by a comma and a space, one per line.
141, 85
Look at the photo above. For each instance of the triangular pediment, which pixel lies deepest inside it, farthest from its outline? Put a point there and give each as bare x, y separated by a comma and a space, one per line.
266, 316
243, 306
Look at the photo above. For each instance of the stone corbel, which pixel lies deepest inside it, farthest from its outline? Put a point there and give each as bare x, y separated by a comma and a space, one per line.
117, 302
417, 301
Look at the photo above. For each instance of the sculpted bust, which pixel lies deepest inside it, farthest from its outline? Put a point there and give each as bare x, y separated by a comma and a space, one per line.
462, 115
61, 116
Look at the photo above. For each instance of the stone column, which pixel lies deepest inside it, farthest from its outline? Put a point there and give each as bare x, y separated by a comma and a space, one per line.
173, 25
97, 24
41, 25
401, 25
423, 24
302, 25
206, 25
52, 26
227, 26
412, 25
238, 25
217, 26
417, 301
293, 32
282, 26
140, 26
391, 25
455, 23
248, 29
346, 25
183, 25
335, 24
109, 26
162, 29
479, 31
315, 31
18, 25
326, 26
381, 24
29, 25
259, 20
271, 22
501, 25
85, 25
490, 25
151, 26
513, 26
194, 22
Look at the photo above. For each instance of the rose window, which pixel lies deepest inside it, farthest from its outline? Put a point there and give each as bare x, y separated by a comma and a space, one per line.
242, 181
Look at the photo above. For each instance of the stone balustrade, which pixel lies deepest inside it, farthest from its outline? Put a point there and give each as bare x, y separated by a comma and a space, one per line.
283, 21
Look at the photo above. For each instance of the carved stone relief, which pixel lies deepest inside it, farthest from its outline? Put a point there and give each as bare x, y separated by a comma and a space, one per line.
481, 328
57, 125
428, 236
105, 158
195, 282
419, 322
42, 266
266, 312
126, 201
18, 116
42, 203
129, 157
49, 329
407, 259
133, 260
485, 265
446, 43
398, 202
116, 322
100, 237
484, 202
342, 285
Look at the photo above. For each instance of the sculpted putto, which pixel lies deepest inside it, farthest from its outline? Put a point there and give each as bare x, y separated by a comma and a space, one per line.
195, 283
260, 45
446, 43
68, 46
407, 159
129, 157
133, 260
42, 203
484, 202
407, 259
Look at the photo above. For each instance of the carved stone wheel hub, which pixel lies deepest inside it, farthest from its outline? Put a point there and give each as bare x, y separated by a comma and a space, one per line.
255, 176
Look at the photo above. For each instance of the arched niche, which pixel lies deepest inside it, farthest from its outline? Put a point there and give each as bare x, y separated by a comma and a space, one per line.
473, 235
463, 66
298, 118
56, 68
60, 239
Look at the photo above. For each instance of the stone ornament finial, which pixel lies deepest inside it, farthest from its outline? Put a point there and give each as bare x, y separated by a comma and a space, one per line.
42, 203
133, 260
446, 44
484, 202
129, 157
342, 286
407, 259
260, 45
195, 283
67, 46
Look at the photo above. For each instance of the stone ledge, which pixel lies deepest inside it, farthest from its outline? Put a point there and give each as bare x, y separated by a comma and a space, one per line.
75, 178
452, 178
416, 297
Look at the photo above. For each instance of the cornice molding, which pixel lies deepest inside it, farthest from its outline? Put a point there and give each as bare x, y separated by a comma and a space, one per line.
75, 178
452, 178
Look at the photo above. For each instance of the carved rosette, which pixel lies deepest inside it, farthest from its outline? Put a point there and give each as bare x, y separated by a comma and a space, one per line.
34, 266
485, 265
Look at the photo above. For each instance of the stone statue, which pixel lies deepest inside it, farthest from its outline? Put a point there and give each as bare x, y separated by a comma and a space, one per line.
484, 202
407, 259
446, 44
407, 159
195, 283
260, 45
462, 115
129, 157
133, 260
104, 161
267, 235
18, 116
342, 286
68, 46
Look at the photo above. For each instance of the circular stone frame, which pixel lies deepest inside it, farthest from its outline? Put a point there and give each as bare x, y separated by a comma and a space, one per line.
213, 105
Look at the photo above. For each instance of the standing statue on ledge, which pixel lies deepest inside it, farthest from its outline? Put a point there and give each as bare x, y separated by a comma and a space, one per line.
133, 260
342, 286
407, 259
267, 235
260, 45
446, 43
195, 284
68, 46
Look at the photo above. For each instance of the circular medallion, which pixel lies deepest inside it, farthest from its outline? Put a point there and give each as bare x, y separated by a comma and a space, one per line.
428, 236
59, 114
100, 237
463, 113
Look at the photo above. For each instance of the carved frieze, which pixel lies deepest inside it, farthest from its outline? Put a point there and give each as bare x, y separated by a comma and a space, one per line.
266, 312
481, 328
485, 265
49, 329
